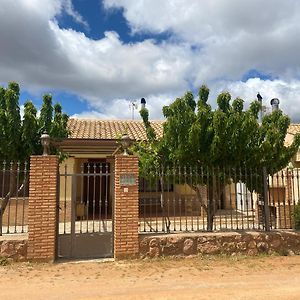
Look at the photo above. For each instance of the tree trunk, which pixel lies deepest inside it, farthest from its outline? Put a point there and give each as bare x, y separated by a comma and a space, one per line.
166, 218
210, 208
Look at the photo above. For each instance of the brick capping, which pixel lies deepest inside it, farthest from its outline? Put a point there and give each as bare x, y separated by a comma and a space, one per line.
126, 244
42, 207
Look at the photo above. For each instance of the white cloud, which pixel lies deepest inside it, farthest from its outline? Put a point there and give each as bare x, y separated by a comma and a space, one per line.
122, 108
233, 36
213, 42
287, 92
41, 55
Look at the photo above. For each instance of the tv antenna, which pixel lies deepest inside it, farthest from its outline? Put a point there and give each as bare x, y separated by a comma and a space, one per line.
133, 106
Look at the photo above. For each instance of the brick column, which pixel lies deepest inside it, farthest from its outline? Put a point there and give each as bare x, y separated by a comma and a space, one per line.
42, 207
126, 243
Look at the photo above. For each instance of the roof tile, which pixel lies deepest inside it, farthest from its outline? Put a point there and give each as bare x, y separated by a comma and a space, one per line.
110, 129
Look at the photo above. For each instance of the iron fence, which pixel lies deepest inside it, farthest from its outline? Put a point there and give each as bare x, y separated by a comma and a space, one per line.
14, 189
217, 199
85, 199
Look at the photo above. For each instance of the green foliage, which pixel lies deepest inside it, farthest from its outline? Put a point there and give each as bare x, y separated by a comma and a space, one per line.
30, 132
58, 128
21, 138
296, 216
13, 120
45, 119
229, 136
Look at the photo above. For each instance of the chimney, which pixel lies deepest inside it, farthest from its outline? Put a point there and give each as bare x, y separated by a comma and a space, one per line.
143, 103
259, 99
275, 104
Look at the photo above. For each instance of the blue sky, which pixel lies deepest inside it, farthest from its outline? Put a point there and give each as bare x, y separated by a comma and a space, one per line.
96, 57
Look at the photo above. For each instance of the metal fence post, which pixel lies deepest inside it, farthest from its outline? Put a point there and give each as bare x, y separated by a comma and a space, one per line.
266, 202
0, 222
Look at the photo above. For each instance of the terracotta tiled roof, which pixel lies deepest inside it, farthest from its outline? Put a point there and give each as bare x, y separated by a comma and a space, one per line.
110, 129
294, 128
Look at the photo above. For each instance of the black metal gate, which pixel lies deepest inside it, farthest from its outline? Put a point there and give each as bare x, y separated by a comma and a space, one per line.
85, 223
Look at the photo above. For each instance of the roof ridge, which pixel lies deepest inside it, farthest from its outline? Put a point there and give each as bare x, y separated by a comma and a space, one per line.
113, 120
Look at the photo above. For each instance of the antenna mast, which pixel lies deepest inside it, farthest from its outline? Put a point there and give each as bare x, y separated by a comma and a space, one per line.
133, 106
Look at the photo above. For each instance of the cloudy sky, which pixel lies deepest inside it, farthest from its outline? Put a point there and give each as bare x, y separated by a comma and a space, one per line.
95, 57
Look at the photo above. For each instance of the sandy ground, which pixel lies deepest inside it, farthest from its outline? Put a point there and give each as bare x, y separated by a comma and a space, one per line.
259, 278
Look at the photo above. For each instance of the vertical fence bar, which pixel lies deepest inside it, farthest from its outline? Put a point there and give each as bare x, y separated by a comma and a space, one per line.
218, 200
224, 195
284, 198
156, 206
106, 195
11, 178
185, 198
208, 197
242, 196
88, 197
24, 193
198, 203
162, 200
94, 196
247, 194
168, 198
65, 199
272, 200
174, 198
266, 204
293, 199
289, 194
230, 200
179, 199
17, 196
278, 199
236, 198
100, 198
202, 202
192, 199
81, 196
74, 201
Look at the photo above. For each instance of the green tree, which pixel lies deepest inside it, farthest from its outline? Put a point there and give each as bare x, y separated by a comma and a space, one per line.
45, 120
225, 138
30, 132
13, 120
3, 123
59, 124
21, 138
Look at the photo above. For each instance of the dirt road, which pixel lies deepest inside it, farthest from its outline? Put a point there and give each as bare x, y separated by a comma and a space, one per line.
231, 278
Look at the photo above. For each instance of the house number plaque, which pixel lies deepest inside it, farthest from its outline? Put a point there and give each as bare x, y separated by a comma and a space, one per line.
127, 179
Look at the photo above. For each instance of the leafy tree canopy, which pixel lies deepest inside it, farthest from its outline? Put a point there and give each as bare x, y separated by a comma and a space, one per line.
229, 136
221, 141
20, 138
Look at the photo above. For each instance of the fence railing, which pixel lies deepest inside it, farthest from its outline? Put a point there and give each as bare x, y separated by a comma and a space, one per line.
14, 189
85, 199
217, 199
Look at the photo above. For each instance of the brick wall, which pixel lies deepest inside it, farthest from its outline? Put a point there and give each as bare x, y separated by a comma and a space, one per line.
42, 211
126, 242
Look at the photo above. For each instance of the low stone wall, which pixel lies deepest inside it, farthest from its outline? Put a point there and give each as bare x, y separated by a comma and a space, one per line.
246, 243
14, 247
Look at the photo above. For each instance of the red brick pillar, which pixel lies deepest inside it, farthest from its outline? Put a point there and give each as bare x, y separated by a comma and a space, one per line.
42, 207
126, 244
